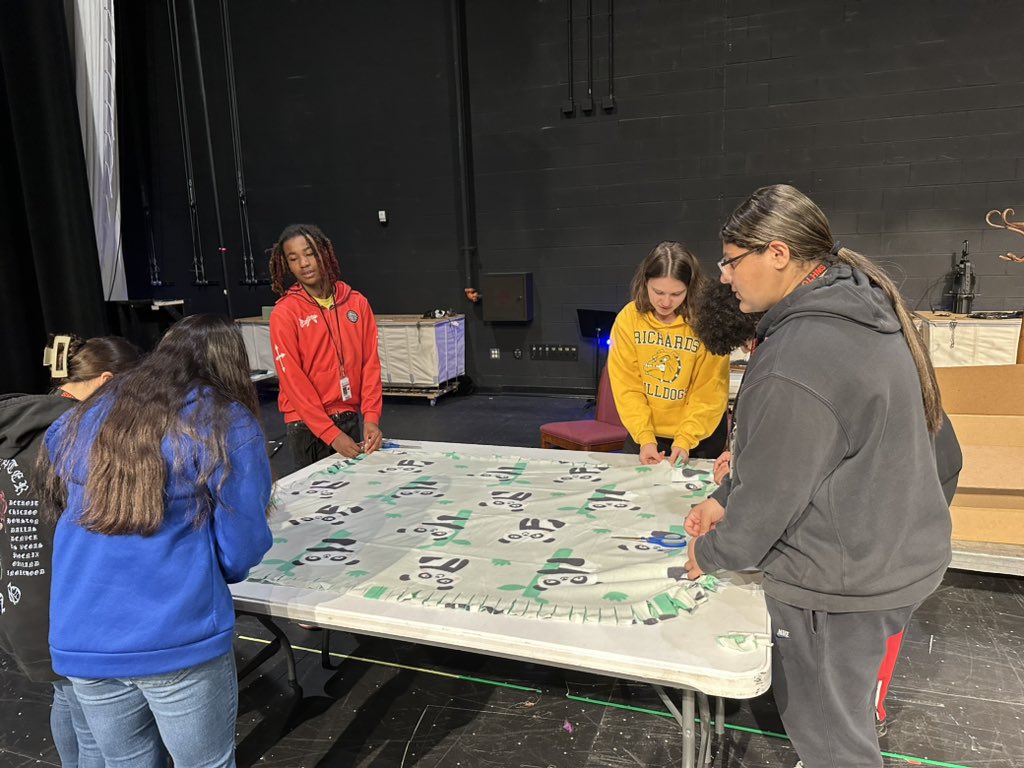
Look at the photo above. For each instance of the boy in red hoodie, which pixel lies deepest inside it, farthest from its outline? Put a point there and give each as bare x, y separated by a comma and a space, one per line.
324, 338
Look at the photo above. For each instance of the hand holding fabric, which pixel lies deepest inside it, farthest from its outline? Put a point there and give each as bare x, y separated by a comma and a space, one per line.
678, 456
649, 454
372, 437
346, 446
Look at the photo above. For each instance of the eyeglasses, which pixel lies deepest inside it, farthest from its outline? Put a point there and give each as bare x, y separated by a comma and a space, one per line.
723, 262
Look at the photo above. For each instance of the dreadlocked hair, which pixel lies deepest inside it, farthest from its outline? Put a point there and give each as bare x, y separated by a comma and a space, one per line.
718, 320
317, 241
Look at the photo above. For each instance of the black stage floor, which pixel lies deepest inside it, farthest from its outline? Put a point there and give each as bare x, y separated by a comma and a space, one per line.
957, 698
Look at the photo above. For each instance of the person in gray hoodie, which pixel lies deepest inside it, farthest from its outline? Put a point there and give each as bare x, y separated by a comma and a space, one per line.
834, 491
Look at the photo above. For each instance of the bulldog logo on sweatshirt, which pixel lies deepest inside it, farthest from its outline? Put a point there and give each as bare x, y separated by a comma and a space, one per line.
664, 366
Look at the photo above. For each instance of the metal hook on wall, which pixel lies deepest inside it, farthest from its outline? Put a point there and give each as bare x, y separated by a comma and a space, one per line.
1002, 221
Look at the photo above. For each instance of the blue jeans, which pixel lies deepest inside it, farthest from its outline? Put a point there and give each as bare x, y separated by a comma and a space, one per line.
192, 711
71, 735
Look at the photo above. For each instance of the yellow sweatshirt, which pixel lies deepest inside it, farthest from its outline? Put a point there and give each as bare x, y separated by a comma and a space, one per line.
665, 383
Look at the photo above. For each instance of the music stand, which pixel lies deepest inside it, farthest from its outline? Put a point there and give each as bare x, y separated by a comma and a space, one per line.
596, 324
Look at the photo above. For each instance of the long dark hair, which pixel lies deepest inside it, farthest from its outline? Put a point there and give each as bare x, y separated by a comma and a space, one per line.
126, 483
88, 358
667, 259
317, 241
782, 212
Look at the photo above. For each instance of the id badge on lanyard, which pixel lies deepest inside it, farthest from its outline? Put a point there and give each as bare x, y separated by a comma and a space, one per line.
346, 388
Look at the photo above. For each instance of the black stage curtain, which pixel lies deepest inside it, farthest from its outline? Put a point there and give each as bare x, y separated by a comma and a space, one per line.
51, 277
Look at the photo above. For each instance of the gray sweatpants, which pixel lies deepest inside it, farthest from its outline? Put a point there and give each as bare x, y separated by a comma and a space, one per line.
824, 675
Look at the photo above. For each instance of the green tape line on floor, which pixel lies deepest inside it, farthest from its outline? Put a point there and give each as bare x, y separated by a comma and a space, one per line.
582, 699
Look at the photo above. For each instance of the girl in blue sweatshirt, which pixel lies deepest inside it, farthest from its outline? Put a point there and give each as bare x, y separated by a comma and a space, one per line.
161, 484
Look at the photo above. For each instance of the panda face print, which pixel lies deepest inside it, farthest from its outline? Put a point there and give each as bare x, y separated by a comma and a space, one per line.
565, 572
331, 519
507, 500
518, 536
433, 579
335, 559
501, 474
582, 474
331, 552
437, 572
445, 526
598, 505
419, 489
325, 489
612, 500
532, 529
332, 514
563, 579
408, 466
435, 531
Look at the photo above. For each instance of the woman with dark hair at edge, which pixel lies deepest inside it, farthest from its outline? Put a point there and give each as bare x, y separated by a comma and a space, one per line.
78, 368
164, 475
324, 339
834, 492
670, 392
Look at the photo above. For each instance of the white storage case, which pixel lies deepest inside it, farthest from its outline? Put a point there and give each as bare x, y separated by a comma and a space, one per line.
421, 355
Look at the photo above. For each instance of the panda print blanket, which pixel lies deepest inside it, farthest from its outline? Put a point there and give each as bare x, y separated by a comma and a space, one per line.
505, 535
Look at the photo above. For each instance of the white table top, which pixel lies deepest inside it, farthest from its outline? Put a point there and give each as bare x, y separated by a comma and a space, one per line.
680, 653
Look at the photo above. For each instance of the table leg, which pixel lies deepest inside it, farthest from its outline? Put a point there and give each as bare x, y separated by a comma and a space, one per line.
280, 642
689, 712
685, 720
704, 753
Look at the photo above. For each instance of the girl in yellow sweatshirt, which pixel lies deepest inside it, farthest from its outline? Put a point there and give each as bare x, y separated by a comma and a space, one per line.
670, 392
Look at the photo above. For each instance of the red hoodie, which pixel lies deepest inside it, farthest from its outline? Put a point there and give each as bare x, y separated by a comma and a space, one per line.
314, 347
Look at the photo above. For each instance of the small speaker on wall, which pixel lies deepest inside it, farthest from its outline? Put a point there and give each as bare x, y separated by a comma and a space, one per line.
507, 297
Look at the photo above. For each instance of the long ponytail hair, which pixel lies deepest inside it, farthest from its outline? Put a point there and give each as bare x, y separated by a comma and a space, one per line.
782, 212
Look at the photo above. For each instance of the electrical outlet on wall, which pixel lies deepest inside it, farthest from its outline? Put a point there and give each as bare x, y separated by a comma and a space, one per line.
562, 352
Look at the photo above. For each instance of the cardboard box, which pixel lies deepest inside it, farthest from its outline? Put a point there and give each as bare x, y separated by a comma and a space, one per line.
986, 406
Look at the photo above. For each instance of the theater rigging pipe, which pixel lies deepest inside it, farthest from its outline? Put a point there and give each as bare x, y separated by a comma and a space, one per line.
198, 260
464, 147
609, 102
588, 104
209, 150
248, 263
568, 106
154, 263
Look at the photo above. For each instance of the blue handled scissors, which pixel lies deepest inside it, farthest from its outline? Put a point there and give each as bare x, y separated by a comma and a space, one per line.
667, 540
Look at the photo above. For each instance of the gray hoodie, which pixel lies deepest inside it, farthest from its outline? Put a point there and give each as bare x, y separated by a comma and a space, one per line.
835, 493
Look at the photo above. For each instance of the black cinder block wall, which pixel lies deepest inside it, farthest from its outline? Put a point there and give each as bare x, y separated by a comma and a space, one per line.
904, 121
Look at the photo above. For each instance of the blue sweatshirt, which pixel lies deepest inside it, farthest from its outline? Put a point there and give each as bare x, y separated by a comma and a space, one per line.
131, 605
